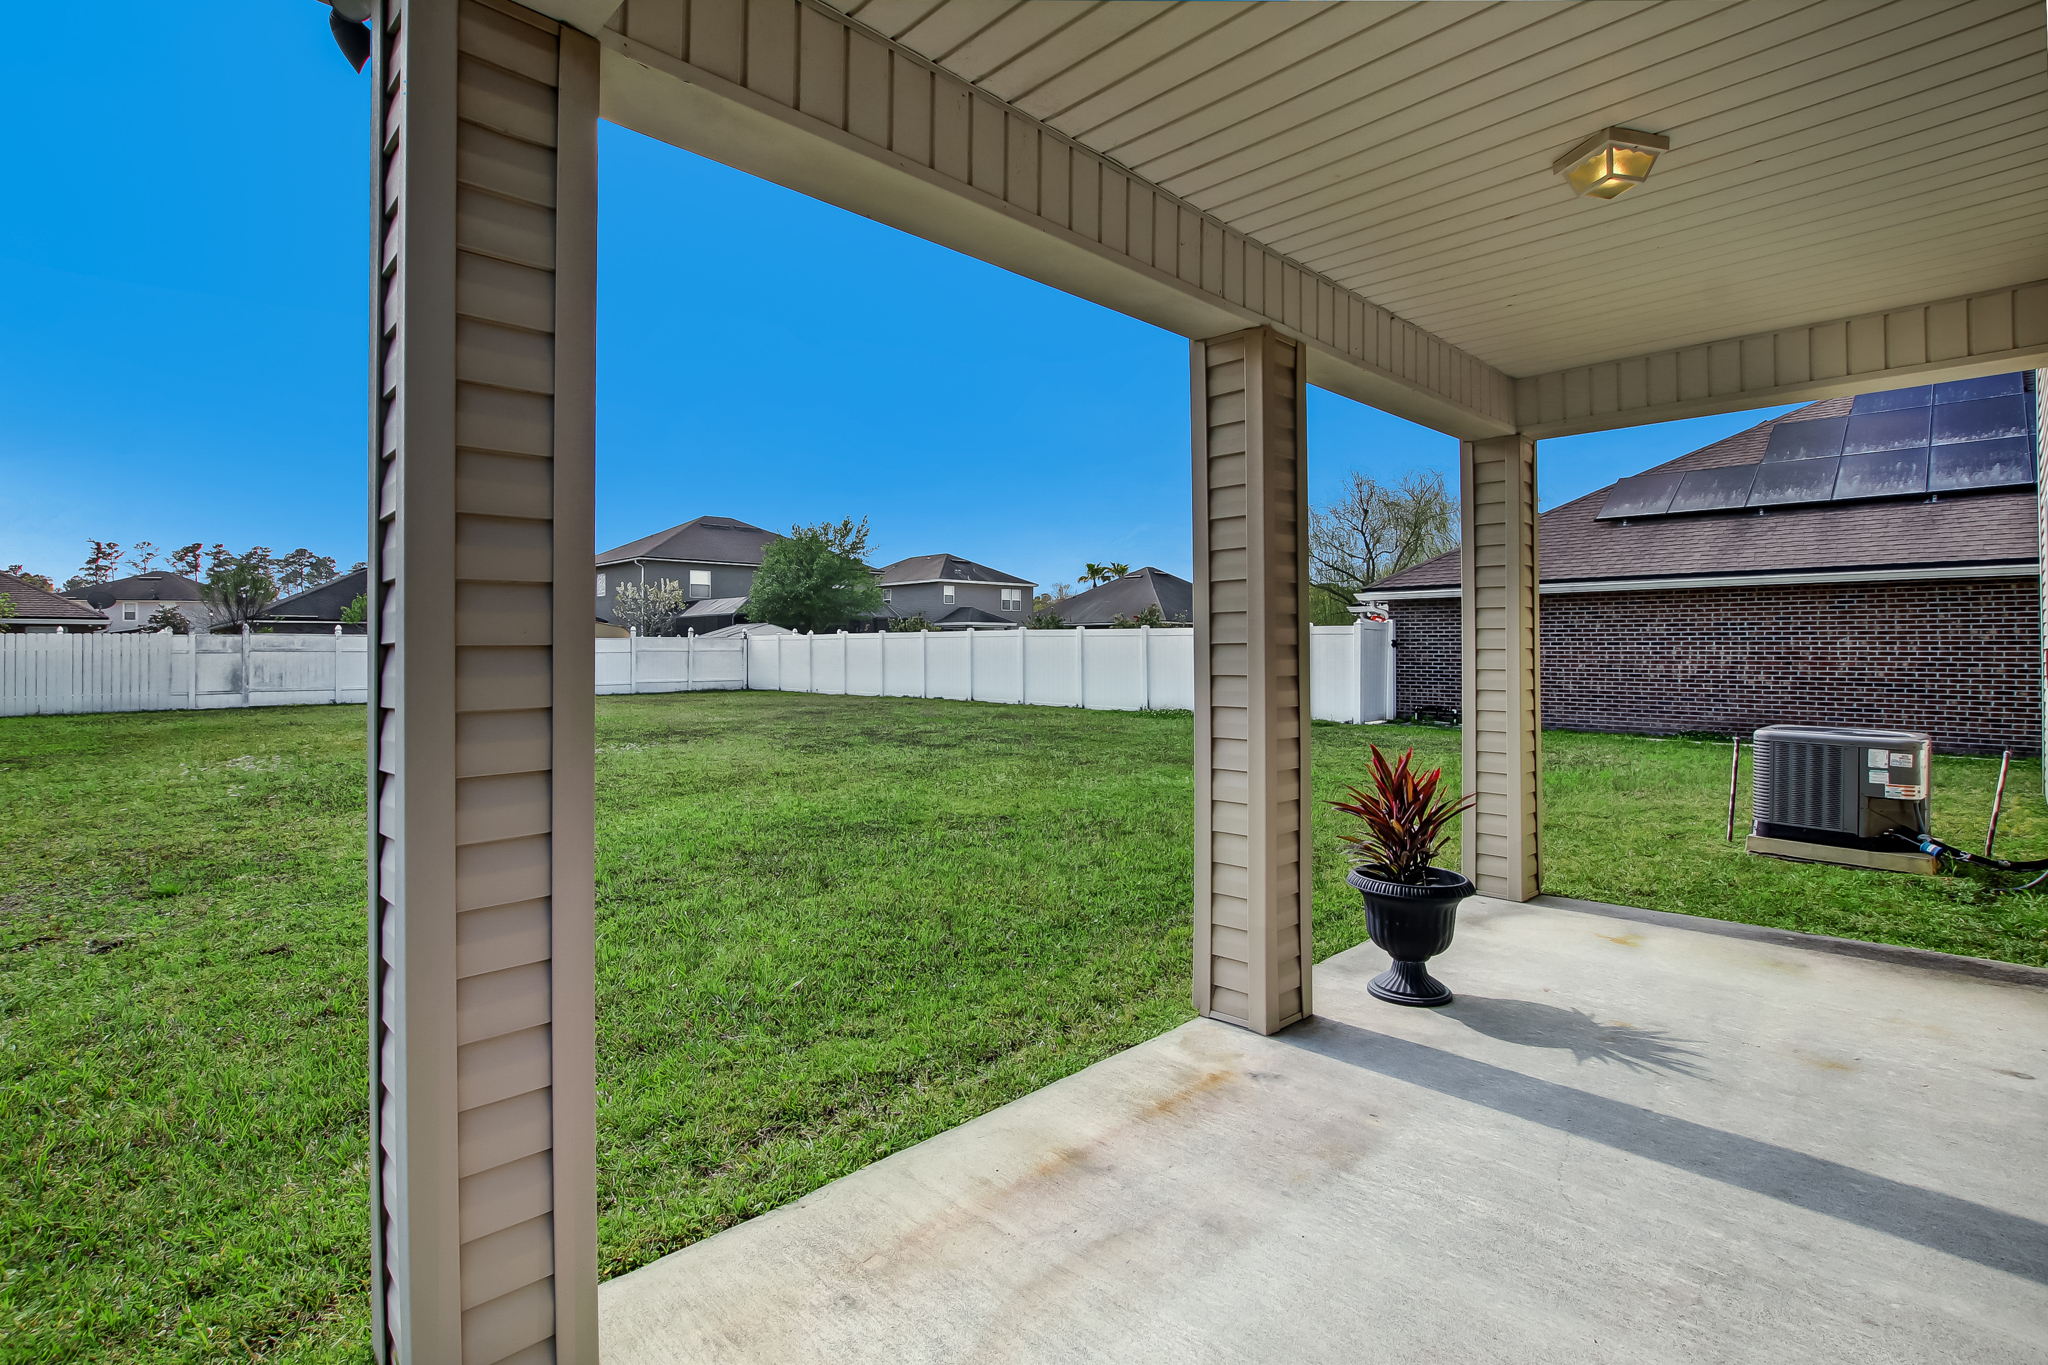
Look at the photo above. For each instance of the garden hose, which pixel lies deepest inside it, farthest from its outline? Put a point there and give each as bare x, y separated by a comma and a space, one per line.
1934, 847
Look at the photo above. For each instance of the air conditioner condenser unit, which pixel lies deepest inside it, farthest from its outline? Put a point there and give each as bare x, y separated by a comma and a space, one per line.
1824, 794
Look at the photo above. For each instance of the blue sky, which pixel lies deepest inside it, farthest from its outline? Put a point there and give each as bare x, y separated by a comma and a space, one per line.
184, 357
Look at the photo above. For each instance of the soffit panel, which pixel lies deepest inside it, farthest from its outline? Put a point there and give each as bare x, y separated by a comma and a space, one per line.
1829, 158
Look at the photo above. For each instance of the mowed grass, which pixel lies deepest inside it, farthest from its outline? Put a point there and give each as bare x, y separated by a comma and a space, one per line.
829, 927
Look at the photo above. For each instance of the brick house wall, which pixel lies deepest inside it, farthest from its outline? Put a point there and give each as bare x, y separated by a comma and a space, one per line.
1958, 659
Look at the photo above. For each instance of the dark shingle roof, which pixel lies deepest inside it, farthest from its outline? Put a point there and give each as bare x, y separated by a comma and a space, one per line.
158, 585
323, 603
707, 540
1127, 597
1975, 528
961, 616
34, 604
945, 569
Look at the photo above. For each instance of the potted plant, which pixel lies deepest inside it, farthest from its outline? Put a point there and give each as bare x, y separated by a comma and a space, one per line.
1411, 907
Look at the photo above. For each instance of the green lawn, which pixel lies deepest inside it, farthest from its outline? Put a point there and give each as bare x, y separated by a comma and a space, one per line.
829, 927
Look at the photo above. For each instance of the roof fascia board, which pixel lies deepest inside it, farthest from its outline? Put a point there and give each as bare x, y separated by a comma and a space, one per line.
1994, 332
1920, 573
588, 15
886, 134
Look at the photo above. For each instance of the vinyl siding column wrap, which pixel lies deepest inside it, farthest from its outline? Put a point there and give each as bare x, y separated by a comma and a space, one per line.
481, 875
1503, 737
1252, 923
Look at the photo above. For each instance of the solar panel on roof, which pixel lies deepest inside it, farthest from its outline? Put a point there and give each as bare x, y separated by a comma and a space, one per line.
1983, 419
1708, 490
1794, 481
1899, 429
2003, 463
1989, 386
1644, 495
1882, 474
1811, 440
1891, 400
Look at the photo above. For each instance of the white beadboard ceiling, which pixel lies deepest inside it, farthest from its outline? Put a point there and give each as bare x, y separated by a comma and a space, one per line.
1828, 158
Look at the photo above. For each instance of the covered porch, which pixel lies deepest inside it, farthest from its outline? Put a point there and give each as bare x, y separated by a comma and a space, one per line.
1356, 196
1630, 1139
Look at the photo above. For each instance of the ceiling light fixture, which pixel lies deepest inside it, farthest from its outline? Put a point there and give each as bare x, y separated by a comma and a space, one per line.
1611, 162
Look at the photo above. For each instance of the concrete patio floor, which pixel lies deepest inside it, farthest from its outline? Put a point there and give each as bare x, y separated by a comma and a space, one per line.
1631, 1139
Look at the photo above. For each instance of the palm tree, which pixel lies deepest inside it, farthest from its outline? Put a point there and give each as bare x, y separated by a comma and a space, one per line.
1117, 571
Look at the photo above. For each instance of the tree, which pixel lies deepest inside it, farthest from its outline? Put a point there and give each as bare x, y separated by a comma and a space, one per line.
7, 612
845, 536
1117, 571
141, 555
302, 569
357, 611
1096, 574
909, 623
238, 590
1054, 595
168, 617
100, 561
1373, 530
1043, 619
34, 580
810, 582
649, 608
1151, 616
220, 557
186, 560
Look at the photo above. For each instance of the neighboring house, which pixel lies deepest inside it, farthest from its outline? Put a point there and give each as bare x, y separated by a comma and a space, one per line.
316, 611
1129, 597
712, 558
38, 612
128, 603
954, 593
1872, 562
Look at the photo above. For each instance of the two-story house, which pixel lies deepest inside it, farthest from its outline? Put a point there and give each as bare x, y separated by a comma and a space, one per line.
712, 558
128, 603
954, 593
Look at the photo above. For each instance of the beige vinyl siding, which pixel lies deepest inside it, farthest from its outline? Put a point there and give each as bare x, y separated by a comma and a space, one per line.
1503, 738
1063, 213
482, 868
1989, 333
1252, 921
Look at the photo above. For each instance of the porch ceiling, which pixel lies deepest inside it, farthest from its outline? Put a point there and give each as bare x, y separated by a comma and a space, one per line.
1828, 159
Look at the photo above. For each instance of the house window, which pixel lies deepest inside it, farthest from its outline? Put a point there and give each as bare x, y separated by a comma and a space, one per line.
948, 598
888, 597
127, 611
700, 583
1013, 599
600, 585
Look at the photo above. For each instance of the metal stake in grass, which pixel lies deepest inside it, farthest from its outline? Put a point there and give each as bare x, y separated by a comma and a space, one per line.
1997, 800
1734, 770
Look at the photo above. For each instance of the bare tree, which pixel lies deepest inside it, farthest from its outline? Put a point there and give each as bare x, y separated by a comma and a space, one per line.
649, 608
1374, 529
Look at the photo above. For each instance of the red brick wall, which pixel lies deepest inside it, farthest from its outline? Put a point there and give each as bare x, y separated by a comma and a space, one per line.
1958, 659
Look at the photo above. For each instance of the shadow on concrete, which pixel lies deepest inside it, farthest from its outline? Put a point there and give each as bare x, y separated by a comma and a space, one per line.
1533, 1024
1976, 1232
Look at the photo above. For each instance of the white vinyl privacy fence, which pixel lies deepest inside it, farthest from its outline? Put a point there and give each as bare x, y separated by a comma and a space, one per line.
1104, 670
158, 671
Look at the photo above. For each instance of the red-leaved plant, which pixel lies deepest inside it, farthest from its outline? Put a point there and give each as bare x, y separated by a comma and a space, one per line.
1403, 822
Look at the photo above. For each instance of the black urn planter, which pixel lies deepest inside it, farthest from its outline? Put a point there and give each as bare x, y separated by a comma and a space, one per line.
1413, 924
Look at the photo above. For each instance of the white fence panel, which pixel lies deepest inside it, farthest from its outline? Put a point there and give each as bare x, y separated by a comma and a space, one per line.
1104, 670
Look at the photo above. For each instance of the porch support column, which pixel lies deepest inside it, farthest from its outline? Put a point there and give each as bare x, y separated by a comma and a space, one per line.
1252, 925
1503, 734
481, 944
